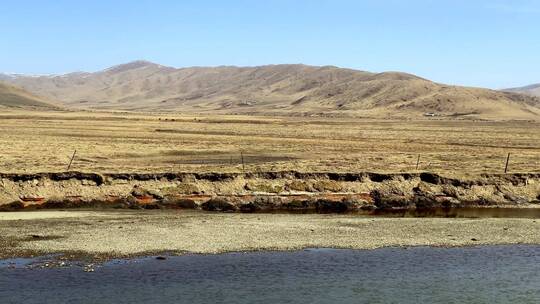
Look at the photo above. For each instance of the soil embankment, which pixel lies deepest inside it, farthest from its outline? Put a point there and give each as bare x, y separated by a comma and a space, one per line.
266, 191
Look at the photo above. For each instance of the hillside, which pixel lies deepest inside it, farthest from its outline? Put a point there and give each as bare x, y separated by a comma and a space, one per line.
533, 90
279, 89
14, 97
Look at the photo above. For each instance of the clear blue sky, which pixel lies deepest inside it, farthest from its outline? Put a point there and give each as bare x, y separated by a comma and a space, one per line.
491, 43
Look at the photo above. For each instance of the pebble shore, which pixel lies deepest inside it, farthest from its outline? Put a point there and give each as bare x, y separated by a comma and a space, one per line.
126, 233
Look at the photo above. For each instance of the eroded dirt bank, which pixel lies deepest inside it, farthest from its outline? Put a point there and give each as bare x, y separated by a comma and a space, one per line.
265, 191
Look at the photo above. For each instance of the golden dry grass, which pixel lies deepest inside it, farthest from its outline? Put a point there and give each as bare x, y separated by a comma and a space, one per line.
122, 142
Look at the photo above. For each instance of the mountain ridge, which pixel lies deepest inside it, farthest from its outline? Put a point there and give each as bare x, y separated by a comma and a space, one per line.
273, 89
533, 89
14, 97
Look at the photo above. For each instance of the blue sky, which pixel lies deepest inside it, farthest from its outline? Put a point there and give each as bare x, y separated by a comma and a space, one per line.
490, 43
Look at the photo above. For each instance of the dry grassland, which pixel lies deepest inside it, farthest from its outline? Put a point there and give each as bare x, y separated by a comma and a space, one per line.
120, 142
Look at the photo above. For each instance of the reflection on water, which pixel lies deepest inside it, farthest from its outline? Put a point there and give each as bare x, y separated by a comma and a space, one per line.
461, 212
496, 274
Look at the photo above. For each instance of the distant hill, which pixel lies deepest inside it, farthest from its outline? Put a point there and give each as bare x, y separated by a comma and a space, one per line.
533, 90
14, 97
274, 89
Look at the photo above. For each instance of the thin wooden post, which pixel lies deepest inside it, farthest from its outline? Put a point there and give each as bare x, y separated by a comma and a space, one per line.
71, 161
418, 162
507, 161
242, 158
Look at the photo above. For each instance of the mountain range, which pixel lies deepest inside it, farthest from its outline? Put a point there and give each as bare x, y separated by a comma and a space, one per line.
291, 89
14, 97
533, 90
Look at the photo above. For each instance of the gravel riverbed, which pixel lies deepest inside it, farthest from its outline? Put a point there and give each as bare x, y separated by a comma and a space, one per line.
116, 234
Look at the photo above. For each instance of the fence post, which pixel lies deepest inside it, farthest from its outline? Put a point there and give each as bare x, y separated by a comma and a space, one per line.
417, 162
71, 161
507, 161
242, 158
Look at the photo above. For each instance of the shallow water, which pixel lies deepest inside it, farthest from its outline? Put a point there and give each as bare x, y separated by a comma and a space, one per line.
465, 212
462, 212
491, 274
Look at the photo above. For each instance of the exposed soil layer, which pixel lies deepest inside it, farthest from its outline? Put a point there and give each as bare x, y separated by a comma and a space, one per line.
265, 191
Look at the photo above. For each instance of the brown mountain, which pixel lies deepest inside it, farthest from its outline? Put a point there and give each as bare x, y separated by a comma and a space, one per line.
280, 89
533, 90
14, 97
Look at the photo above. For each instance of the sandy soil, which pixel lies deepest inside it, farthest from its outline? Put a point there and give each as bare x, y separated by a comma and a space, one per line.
130, 233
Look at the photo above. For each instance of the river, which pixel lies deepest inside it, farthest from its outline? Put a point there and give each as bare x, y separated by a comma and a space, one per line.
487, 274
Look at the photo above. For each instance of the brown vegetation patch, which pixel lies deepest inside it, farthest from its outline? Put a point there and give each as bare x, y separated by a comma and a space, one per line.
327, 186
267, 187
299, 185
182, 188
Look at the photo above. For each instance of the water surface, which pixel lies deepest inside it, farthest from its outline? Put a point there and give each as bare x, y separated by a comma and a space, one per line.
491, 274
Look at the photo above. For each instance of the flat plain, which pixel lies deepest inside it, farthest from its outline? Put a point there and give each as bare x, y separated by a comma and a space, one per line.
34, 141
